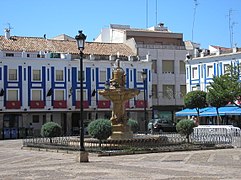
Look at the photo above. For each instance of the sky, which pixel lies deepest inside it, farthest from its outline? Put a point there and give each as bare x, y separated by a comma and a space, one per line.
209, 22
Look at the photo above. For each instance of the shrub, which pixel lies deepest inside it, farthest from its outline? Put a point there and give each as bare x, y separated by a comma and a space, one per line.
100, 129
51, 129
133, 124
185, 127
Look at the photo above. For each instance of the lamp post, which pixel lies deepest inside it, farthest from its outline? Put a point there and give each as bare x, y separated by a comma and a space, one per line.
144, 77
80, 38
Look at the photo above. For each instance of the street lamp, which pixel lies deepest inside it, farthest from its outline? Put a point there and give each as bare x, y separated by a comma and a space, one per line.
144, 77
80, 39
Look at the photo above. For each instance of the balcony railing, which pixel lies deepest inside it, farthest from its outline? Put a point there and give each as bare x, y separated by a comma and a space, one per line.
60, 104
36, 104
13, 104
85, 104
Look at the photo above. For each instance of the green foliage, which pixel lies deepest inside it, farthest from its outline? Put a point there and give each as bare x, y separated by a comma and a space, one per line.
133, 124
195, 99
51, 129
222, 90
100, 129
185, 127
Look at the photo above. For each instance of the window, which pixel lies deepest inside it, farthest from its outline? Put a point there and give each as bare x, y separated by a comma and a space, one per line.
183, 90
187, 74
36, 75
12, 95
140, 96
154, 65
35, 118
55, 55
102, 76
168, 66
182, 67
154, 91
83, 75
194, 73
59, 75
59, 95
12, 74
131, 75
9, 54
209, 71
139, 76
225, 68
169, 91
84, 95
194, 88
36, 95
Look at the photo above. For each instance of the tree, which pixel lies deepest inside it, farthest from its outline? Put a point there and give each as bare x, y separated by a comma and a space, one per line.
234, 85
195, 99
133, 124
185, 127
50, 130
223, 90
100, 129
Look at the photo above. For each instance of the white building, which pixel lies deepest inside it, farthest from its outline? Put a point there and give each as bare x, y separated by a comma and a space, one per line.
201, 69
167, 52
39, 82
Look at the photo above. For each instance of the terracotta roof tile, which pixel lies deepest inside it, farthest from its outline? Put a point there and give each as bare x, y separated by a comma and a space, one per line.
33, 44
221, 48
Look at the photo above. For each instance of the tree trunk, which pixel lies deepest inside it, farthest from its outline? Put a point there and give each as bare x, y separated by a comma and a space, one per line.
218, 117
100, 143
188, 139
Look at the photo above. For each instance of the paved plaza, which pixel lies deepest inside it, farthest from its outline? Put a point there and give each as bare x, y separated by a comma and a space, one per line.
17, 163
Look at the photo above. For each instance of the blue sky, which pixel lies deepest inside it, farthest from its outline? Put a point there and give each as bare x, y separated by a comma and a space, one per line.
54, 17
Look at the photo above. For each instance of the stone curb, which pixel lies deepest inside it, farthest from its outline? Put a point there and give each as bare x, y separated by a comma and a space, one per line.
159, 151
99, 154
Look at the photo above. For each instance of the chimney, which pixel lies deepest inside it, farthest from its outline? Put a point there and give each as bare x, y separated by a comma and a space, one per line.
202, 54
7, 33
235, 49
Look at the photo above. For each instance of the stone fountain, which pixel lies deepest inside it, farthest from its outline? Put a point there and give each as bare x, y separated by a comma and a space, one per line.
119, 95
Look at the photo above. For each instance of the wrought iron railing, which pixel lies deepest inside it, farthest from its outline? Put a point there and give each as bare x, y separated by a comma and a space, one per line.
139, 142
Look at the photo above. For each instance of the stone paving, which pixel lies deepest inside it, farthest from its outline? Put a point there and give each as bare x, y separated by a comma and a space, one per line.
17, 163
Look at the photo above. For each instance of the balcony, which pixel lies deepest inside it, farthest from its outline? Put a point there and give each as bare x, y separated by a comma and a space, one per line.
140, 104
103, 104
60, 104
13, 104
85, 104
36, 104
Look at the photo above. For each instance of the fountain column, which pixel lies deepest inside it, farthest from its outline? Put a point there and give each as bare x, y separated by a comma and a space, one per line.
119, 95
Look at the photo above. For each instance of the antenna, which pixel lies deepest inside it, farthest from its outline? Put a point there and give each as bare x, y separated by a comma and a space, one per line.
9, 26
231, 27
156, 12
146, 13
194, 16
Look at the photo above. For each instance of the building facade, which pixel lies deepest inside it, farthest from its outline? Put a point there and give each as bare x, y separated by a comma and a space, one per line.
207, 64
202, 68
167, 52
39, 82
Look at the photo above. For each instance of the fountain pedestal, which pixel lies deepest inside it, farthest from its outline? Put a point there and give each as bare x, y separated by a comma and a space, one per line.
119, 95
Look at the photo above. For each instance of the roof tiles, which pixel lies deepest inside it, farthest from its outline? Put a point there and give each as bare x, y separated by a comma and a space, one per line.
33, 44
